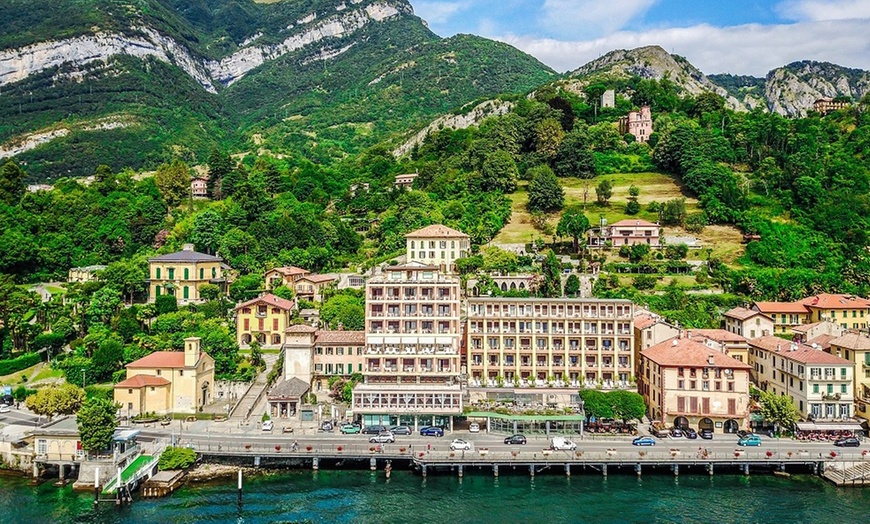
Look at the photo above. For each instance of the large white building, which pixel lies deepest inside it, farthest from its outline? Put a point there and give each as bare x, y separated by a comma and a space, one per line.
412, 357
821, 384
437, 245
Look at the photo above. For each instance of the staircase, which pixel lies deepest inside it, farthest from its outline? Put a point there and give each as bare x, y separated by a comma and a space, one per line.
852, 473
255, 395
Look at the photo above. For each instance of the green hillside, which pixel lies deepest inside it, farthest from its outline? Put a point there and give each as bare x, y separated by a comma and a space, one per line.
376, 80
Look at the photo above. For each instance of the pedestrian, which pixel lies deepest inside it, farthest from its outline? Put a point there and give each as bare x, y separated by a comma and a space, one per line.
295, 446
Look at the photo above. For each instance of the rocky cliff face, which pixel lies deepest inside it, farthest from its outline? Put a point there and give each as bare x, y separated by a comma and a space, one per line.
791, 90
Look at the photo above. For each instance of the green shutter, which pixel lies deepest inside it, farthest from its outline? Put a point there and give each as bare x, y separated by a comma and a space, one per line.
867, 358
158, 273
186, 274
186, 293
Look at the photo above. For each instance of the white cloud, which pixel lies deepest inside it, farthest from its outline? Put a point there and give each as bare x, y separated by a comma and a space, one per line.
745, 49
437, 12
589, 17
824, 9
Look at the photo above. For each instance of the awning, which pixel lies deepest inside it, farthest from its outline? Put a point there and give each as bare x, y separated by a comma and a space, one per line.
444, 340
374, 340
834, 426
392, 340
427, 340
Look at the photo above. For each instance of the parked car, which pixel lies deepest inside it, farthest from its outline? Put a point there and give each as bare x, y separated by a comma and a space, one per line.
562, 444
749, 440
350, 429
460, 445
847, 442
644, 441
691, 433
515, 440
268, 425
706, 434
432, 431
5, 408
7, 399
326, 426
677, 433
401, 430
659, 432
474, 427
374, 430
383, 437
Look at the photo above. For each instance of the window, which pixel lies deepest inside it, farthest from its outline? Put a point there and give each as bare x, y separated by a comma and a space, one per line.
214, 272
129, 391
152, 389
843, 388
830, 389
171, 272
681, 384
274, 324
186, 273
41, 447
842, 372
731, 386
158, 273
815, 388
247, 324
186, 292
201, 273
159, 372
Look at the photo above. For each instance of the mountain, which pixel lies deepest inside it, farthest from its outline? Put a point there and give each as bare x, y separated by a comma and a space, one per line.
789, 90
131, 84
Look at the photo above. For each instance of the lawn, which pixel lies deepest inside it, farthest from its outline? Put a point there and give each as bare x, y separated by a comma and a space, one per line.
14, 379
725, 241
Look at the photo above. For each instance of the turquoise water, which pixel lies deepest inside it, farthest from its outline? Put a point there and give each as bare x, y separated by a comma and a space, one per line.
360, 497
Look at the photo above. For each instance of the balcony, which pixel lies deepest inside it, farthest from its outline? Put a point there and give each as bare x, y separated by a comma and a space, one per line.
831, 396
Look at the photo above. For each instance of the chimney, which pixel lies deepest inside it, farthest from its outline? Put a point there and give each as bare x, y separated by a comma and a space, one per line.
675, 342
711, 359
187, 247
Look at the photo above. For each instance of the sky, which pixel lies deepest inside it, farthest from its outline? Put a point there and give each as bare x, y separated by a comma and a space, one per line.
745, 37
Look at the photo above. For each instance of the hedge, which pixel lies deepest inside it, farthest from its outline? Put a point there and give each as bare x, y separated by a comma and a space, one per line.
14, 365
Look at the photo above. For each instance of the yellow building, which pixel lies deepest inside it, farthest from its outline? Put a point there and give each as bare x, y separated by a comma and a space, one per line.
785, 315
181, 274
686, 384
84, 274
312, 285
849, 311
263, 319
168, 382
284, 276
856, 348
437, 245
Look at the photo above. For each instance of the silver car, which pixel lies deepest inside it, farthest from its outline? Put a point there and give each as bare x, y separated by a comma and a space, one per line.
384, 437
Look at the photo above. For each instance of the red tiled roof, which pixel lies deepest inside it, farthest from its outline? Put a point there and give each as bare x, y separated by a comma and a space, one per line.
160, 359
300, 328
780, 307
335, 337
314, 277
633, 222
290, 270
719, 335
141, 381
831, 301
852, 341
802, 353
437, 231
685, 352
823, 341
644, 321
741, 313
271, 300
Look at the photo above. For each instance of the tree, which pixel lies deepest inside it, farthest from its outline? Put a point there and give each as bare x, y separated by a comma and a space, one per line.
545, 193
779, 409
173, 181
343, 310
638, 252
574, 157
220, 164
548, 135
572, 285
632, 207
174, 458
12, 186
56, 400
107, 358
627, 405
674, 212
209, 291
633, 191
573, 224
283, 292
551, 287
97, 422
596, 404
256, 354
104, 304
246, 287
604, 191
499, 173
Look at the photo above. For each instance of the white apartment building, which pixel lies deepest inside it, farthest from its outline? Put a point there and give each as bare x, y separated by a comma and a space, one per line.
546, 342
412, 358
437, 245
821, 384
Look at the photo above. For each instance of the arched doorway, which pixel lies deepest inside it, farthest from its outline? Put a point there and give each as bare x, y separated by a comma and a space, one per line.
681, 422
705, 423
204, 398
731, 426
504, 286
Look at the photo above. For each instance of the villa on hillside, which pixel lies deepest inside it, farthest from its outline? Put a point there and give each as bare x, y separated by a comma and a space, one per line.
637, 123
625, 233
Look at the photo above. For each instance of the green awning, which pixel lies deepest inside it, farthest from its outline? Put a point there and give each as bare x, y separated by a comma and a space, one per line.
542, 418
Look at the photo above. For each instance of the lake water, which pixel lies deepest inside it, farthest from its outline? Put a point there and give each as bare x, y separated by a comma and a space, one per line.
360, 497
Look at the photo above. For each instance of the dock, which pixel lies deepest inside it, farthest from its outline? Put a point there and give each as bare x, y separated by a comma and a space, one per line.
162, 484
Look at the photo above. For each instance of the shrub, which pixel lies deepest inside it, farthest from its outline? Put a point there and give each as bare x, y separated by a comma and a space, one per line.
644, 282
14, 365
632, 208
176, 458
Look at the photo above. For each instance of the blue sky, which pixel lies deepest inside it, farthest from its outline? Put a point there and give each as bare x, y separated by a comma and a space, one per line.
735, 36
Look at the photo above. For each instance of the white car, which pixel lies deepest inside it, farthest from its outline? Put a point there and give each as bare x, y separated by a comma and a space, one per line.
460, 445
562, 444
268, 425
474, 427
384, 437
4, 408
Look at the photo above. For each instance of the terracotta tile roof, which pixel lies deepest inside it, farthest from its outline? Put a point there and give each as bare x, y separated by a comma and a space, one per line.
437, 231
300, 328
644, 321
741, 313
805, 328
780, 307
823, 341
342, 338
685, 352
633, 222
160, 359
719, 335
852, 341
141, 381
290, 270
803, 353
270, 300
831, 301
316, 278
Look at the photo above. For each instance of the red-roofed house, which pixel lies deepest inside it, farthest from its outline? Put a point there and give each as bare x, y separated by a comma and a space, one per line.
732, 344
856, 348
311, 286
785, 315
263, 319
689, 385
748, 323
649, 330
849, 311
820, 384
167, 382
437, 245
284, 276
626, 233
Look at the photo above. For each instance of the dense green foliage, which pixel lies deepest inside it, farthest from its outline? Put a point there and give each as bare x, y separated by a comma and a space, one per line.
7, 367
176, 458
97, 423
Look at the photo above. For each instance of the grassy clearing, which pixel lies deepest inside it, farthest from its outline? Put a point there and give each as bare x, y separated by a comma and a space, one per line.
725, 241
15, 378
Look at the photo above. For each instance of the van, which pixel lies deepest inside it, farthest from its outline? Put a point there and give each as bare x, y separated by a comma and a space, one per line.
562, 444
